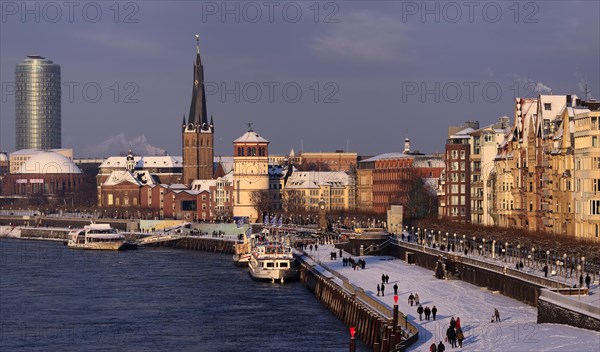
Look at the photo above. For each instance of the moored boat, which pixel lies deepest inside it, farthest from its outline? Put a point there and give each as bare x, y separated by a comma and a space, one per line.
98, 237
272, 261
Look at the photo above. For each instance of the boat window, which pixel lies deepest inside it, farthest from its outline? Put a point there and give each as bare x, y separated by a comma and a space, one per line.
283, 265
270, 264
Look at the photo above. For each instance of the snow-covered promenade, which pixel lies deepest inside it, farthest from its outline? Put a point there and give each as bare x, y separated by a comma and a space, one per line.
518, 330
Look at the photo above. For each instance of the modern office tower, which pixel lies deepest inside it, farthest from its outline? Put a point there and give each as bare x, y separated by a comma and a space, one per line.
37, 104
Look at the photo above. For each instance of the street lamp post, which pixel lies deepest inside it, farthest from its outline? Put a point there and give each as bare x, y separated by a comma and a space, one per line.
494, 249
483, 247
505, 251
464, 242
454, 243
519, 256
565, 265
534, 263
447, 241
579, 286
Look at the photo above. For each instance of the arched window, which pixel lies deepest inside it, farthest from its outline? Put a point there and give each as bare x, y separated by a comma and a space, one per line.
253, 151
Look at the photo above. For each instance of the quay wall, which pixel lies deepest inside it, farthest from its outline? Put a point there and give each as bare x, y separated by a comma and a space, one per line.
205, 244
372, 320
557, 309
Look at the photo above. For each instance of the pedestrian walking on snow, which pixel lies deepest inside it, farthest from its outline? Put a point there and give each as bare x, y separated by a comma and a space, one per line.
451, 335
459, 337
433, 347
395, 289
420, 311
411, 299
441, 347
417, 299
427, 312
378, 289
382, 289
457, 323
434, 312
383, 278
497, 315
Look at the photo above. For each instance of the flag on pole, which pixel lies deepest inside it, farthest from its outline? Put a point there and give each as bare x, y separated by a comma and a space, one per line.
240, 222
281, 221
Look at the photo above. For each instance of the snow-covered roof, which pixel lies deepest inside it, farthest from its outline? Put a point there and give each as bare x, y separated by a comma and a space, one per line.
251, 137
316, 179
47, 162
203, 185
142, 162
463, 133
3, 157
388, 156
140, 178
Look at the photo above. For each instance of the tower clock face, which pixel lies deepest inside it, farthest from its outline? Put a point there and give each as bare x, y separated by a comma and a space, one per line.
251, 172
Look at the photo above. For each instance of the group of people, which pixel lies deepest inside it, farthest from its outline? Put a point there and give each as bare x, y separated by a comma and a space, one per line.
360, 264
438, 348
454, 333
385, 279
413, 299
429, 312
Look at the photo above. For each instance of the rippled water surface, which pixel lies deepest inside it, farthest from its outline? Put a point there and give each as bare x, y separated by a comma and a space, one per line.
56, 299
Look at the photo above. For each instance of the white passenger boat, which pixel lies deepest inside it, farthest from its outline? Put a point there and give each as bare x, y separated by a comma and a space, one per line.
98, 237
272, 261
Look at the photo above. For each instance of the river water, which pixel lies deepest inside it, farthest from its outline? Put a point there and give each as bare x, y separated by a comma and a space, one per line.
159, 299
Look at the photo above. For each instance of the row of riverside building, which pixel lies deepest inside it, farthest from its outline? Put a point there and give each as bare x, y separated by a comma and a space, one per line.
541, 172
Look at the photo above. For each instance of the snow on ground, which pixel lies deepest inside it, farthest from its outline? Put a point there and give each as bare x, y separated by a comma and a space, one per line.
518, 330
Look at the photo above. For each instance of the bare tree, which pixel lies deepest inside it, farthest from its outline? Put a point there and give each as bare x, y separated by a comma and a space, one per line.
293, 201
262, 202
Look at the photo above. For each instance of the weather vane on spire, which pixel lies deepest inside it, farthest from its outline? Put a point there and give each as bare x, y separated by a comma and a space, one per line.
250, 124
198, 43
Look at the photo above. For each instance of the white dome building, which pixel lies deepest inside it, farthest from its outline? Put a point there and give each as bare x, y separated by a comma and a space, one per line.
46, 173
49, 163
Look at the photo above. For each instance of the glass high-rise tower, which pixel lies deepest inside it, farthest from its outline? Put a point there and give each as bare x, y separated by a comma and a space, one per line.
37, 104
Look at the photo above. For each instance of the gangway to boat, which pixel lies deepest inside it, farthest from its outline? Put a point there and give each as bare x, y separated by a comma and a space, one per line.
159, 238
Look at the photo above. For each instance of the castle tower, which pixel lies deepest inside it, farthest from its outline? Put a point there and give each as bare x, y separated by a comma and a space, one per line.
250, 172
197, 132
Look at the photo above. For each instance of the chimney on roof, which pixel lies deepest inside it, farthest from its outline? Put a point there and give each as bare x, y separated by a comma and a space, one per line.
406, 146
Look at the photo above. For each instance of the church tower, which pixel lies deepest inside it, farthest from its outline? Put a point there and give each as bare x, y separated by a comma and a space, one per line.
197, 132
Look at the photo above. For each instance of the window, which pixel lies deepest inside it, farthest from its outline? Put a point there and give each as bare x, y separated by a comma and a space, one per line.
547, 106
594, 207
594, 141
596, 185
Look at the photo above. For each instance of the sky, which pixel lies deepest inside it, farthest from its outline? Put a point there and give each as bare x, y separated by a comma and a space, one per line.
312, 76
